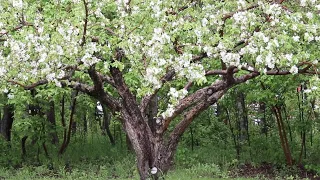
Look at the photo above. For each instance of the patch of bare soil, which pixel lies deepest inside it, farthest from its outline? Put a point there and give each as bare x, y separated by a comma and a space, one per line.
271, 171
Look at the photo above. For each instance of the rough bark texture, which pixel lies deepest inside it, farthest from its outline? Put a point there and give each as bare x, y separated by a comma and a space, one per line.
152, 113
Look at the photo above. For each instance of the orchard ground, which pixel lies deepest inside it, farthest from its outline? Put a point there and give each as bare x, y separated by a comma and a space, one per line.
96, 159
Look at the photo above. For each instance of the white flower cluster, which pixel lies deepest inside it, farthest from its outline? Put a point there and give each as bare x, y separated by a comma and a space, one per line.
17, 4
157, 9
304, 3
244, 19
241, 4
88, 58
232, 59
154, 52
152, 77
122, 6
175, 97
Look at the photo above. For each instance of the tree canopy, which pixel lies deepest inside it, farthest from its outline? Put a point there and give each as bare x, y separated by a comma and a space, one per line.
124, 53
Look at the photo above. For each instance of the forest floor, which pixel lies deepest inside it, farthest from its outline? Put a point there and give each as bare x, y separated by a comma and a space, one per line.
264, 171
269, 171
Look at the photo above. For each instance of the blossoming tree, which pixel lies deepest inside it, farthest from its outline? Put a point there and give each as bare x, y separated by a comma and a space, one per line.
126, 53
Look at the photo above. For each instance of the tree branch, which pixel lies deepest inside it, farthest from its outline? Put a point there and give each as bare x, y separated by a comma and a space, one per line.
23, 24
31, 86
191, 114
85, 25
99, 91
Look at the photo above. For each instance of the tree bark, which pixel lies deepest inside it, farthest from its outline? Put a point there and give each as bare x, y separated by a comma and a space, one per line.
85, 123
7, 121
106, 125
67, 136
283, 135
52, 121
151, 149
242, 116
152, 113
235, 142
263, 119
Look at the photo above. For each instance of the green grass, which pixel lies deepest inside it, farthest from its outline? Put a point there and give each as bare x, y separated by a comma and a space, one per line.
42, 173
94, 158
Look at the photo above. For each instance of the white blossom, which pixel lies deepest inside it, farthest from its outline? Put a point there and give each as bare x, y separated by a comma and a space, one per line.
296, 38
294, 69
17, 4
309, 15
10, 96
204, 22
289, 57
5, 90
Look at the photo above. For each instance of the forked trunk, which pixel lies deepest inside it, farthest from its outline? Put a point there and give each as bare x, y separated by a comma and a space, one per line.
151, 152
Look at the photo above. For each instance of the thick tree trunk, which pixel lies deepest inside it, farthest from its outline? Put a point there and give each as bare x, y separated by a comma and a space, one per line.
152, 113
6, 122
140, 137
151, 150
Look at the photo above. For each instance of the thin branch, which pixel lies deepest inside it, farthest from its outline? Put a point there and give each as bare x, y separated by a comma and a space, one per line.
23, 24
99, 92
29, 87
189, 116
188, 85
199, 57
85, 25
229, 15
141, 21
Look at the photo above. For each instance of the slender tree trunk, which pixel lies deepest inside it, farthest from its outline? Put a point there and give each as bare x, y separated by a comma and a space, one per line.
236, 146
52, 121
63, 120
73, 128
106, 124
68, 135
263, 120
7, 121
242, 116
302, 121
288, 123
23, 146
314, 117
85, 123
192, 140
73, 111
283, 136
